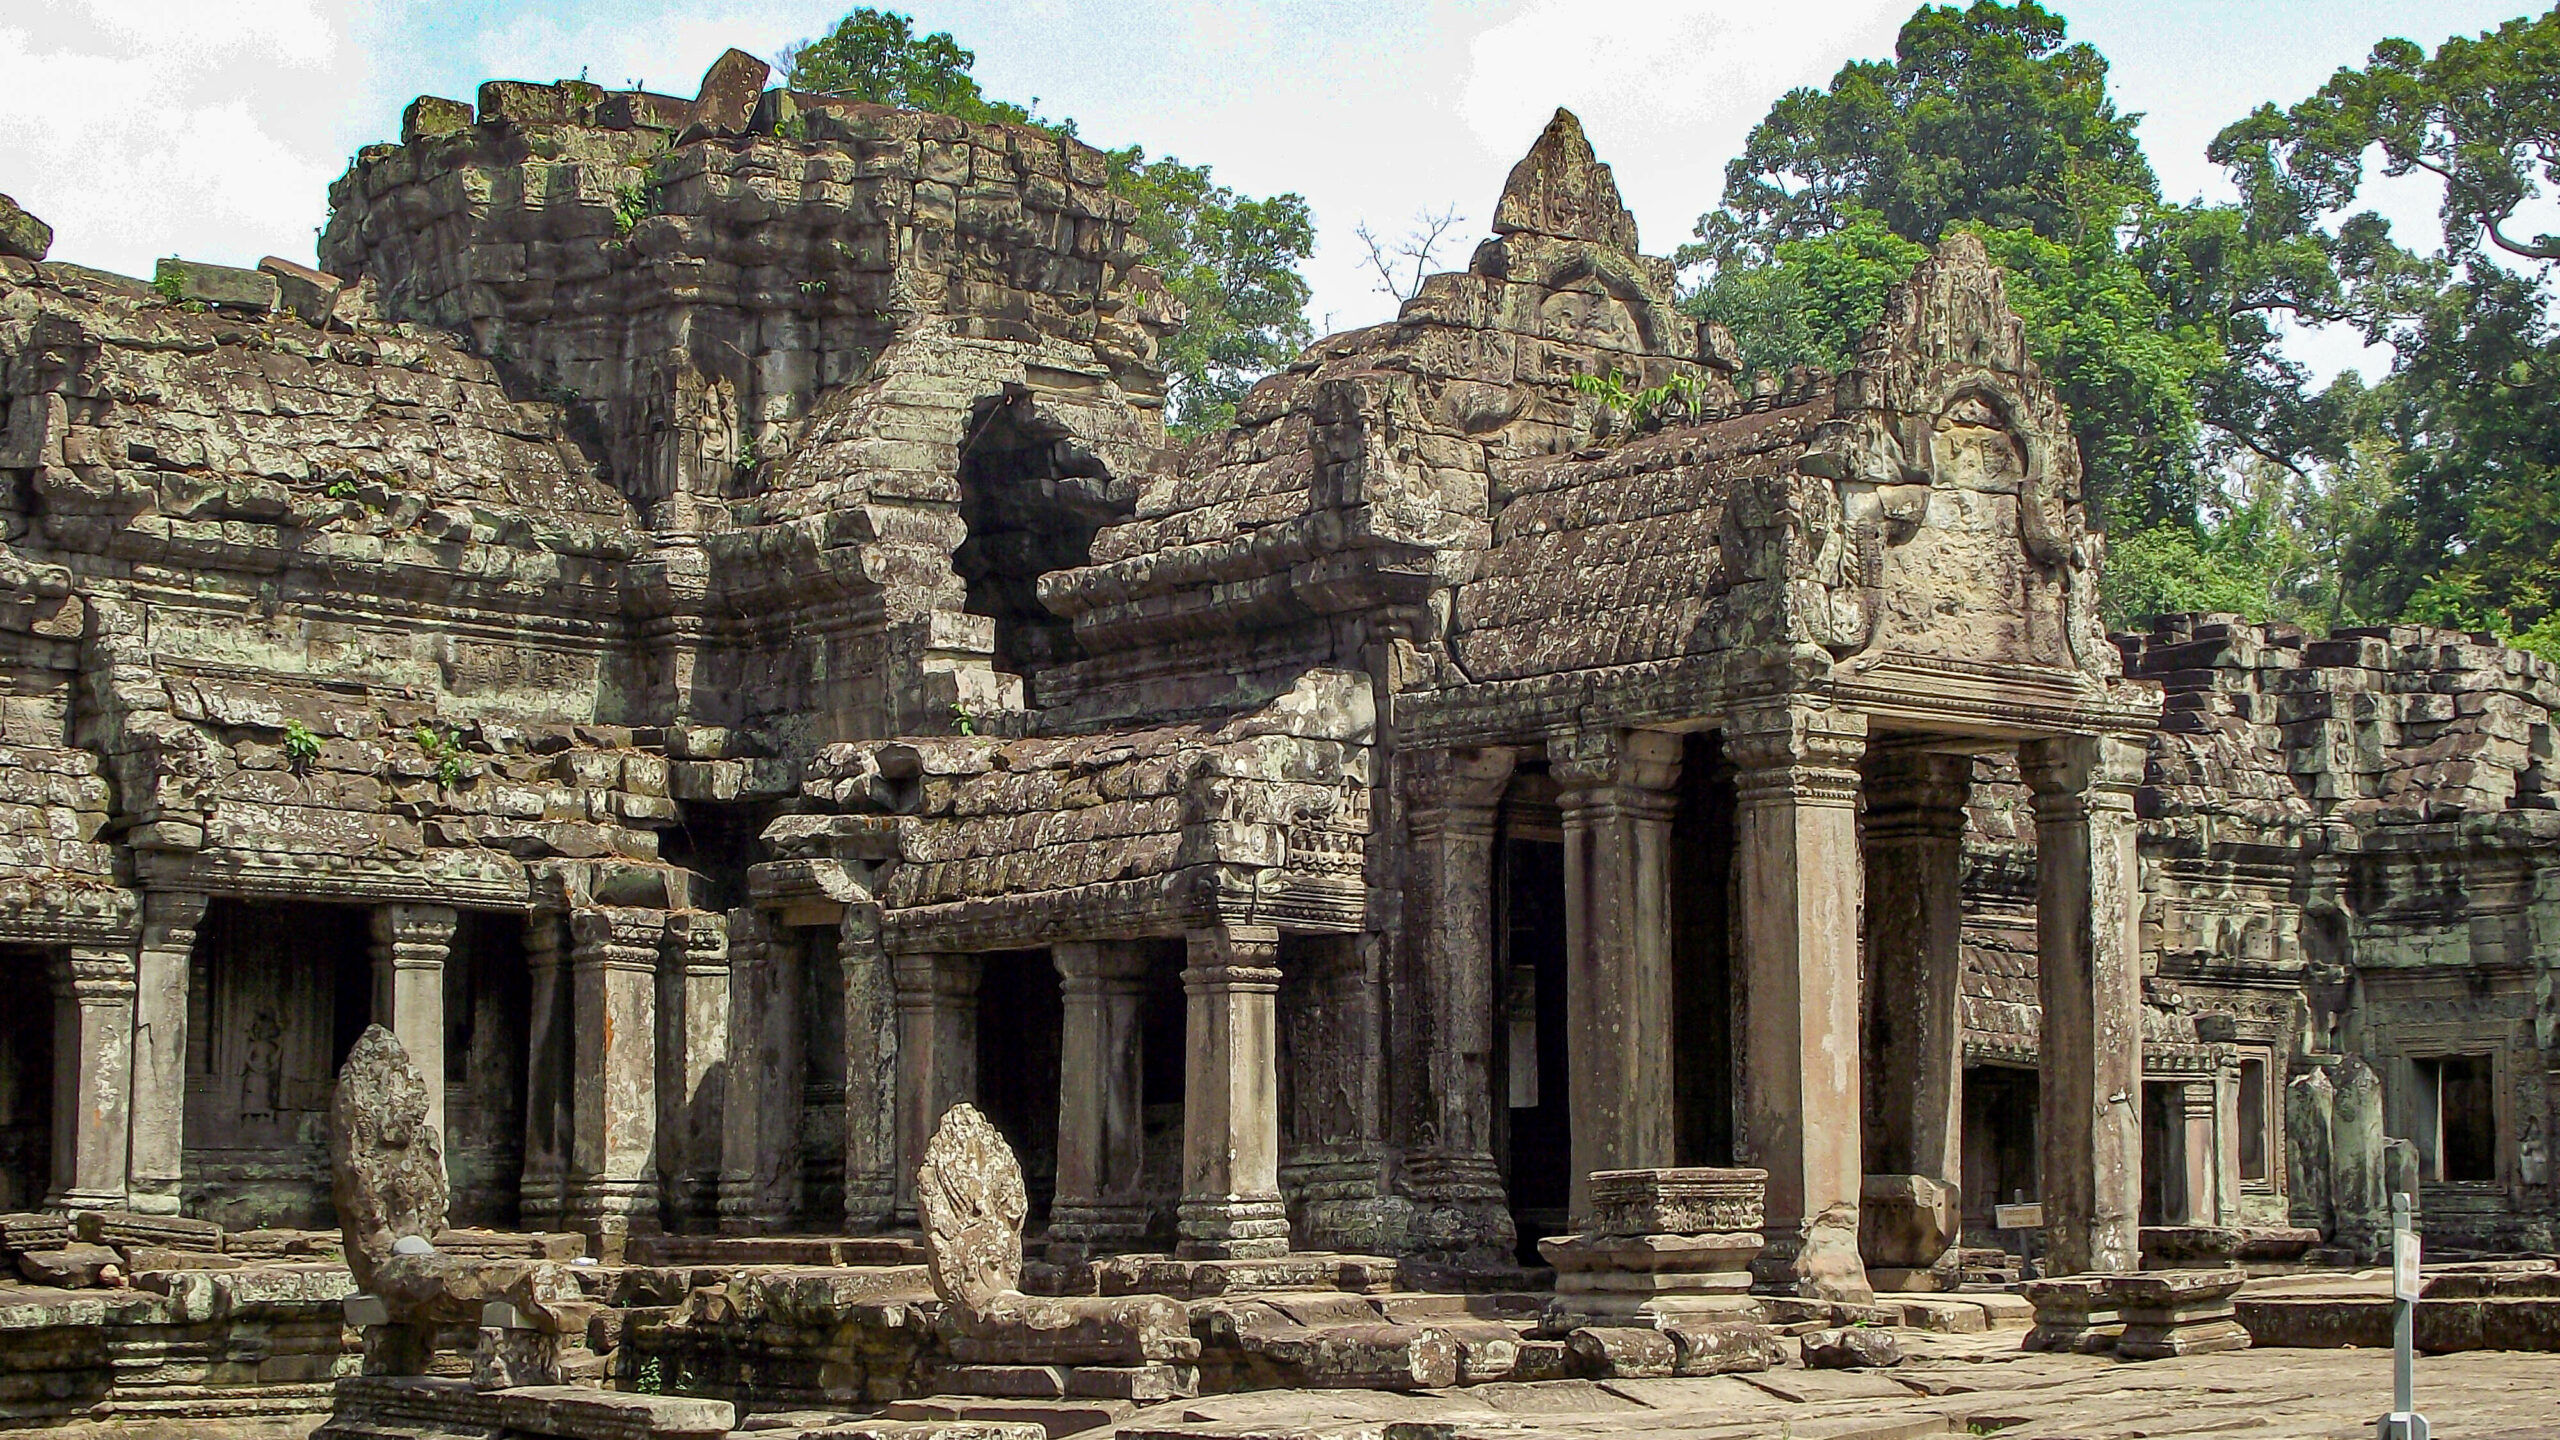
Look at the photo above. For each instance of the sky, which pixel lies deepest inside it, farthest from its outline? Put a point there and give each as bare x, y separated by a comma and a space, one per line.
212, 128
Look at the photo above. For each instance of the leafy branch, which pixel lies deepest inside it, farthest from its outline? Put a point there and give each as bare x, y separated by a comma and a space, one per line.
1682, 397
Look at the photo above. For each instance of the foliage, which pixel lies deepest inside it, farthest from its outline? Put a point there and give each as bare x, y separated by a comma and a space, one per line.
444, 747
877, 56
171, 285
1230, 262
1810, 307
301, 747
1983, 114
1682, 397
632, 202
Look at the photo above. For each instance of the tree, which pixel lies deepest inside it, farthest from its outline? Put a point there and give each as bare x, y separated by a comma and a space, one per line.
1983, 114
876, 56
2469, 531
1233, 261
1388, 260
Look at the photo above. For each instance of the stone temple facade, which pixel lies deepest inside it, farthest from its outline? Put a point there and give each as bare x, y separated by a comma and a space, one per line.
692, 620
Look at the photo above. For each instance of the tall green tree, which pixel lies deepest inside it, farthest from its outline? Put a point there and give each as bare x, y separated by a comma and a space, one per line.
1232, 261
2469, 533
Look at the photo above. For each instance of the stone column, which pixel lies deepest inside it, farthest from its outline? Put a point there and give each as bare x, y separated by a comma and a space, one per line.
159, 1106
699, 940
937, 1054
543, 1192
1914, 832
870, 1070
1798, 891
2088, 955
1231, 1097
1614, 788
613, 1155
1452, 800
1100, 1208
410, 943
92, 1078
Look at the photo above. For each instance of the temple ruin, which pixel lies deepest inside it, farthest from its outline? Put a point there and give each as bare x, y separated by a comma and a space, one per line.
690, 619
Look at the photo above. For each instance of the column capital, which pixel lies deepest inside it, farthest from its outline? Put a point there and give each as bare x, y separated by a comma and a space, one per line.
1809, 752
934, 978
2104, 768
1457, 788
1103, 962
405, 924
1232, 957
94, 974
1914, 792
170, 918
698, 941
1611, 758
616, 938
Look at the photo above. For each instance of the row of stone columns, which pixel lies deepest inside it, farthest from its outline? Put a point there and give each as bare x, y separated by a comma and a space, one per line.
1807, 902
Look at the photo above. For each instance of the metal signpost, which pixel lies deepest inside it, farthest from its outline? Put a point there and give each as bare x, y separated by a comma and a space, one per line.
2028, 1217
2404, 1422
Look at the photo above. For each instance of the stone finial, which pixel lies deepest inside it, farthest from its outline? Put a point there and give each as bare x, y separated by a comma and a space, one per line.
969, 1189
1562, 191
386, 1161
22, 234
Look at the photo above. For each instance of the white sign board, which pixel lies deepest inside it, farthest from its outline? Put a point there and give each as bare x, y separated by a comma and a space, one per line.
2029, 1216
2404, 1265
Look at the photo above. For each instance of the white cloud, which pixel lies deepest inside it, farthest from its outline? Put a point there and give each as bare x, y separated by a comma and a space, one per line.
208, 128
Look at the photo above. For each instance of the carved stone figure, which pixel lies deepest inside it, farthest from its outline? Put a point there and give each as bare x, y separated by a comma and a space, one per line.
386, 1161
969, 1190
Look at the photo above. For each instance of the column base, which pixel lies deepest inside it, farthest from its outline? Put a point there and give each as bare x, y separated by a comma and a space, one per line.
1462, 1211
144, 1202
1239, 1228
70, 1200
610, 1212
542, 1203
743, 1211
1088, 1232
868, 1206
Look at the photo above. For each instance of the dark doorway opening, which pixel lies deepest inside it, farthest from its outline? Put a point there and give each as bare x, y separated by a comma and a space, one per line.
1999, 1148
2466, 1123
1032, 499
1164, 1051
1702, 953
816, 1037
277, 995
26, 1081
2164, 1184
1533, 1127
488, 999
1021, 1022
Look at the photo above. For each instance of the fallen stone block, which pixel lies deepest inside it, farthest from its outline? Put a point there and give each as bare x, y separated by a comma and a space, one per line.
1941, 1317
1054, 1417
139, 1259
431, 115
76, 1266
124, 1227
1037, 1330
190, 281
22, 1232
727, 99
1623, 1353
1906, 1223
311, 296
2071, 1316
1697, 1200
1855, 1347
1726, 1349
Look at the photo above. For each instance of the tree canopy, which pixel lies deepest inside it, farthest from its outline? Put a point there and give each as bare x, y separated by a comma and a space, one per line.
1233, 261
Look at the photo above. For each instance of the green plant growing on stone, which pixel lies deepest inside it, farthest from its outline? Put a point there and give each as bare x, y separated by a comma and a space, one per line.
171, 286
632, 202
301, 747
1681, 397
963, 719
813, 287
444, 747
342, 488
746, 451
647, 1379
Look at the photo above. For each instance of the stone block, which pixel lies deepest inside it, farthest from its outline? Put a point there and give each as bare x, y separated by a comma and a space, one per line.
75, 1266
2072, 1316
1669, 1254
727, 100
1038, 1330
141, 1258
2186, 1247
123, 1227
1614, 1352
219, 285
310, 295
1905, 1222
1737, 1347
22, 235
1691, 1201
641, 110
22, 1232
431, 115
2175, 1312
1854, 1347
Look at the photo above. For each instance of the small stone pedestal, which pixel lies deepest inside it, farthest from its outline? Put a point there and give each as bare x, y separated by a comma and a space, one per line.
1906, 1232
2175, 1312
2189, 1247
1665, 1246
2072, 1316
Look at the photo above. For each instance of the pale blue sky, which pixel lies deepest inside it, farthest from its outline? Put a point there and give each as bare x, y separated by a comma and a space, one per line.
142, 128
